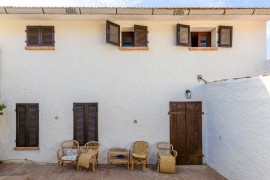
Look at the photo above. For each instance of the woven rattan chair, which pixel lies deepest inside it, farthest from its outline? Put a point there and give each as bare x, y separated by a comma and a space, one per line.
140, 153
67, 153
95, 146
168, 155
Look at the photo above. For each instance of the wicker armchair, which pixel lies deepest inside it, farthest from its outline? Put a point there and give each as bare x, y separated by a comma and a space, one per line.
166, 158
140, 153
95, 146
67, 153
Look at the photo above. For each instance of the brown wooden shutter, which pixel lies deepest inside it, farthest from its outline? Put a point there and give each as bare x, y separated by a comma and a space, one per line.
27, 122
140, 35
33, 35
182, 35
225, 36
79, 123
21, 123
47, 36
92, 123
112, 33
33, 125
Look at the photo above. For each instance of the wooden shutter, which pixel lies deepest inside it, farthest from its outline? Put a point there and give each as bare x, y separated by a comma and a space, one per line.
225, 36
182, 35
85, 122
33, 35
178, 130
194, 132
27, 122
47, 36
33, 125
79, 123
112, 33
140, 35
21, 123
92, 122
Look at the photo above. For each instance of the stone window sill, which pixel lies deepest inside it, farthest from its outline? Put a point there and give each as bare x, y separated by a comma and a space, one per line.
203, 48
133, 48
26, 148
40, 47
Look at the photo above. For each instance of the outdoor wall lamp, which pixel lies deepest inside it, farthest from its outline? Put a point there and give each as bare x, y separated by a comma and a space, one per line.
188, 94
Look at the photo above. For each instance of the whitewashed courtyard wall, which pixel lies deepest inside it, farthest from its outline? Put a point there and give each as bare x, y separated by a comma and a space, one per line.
127, 85
238, 126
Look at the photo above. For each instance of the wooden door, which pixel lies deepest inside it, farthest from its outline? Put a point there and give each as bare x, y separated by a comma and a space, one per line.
186, 131
85, 122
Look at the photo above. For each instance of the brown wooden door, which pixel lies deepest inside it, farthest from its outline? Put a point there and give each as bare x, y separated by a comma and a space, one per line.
186, 131
85, 122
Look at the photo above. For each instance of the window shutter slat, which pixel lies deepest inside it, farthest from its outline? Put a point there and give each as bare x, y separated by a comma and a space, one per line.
79, 116
21, 126
92, 123
183, 35
32, 36
225, 36
140, 33
112, 33
47, 37
33, 125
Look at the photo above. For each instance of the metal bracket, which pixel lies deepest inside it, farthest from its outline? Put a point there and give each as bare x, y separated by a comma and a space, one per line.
200, 78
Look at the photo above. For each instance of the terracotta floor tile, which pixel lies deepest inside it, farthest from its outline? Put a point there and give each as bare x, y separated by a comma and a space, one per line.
34, 171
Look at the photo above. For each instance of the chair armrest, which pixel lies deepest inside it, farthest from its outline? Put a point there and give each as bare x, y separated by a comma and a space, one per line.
58, 154
174, 153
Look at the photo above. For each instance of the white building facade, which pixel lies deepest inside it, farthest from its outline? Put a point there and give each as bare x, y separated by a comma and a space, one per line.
127, 85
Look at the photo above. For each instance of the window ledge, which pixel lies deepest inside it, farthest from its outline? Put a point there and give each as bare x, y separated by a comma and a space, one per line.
133, 48
40, 47
203, 48
26, 148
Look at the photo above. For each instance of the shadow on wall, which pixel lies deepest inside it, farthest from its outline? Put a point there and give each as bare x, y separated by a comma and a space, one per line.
238, 126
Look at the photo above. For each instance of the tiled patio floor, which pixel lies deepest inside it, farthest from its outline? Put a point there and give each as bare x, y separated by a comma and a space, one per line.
18, 171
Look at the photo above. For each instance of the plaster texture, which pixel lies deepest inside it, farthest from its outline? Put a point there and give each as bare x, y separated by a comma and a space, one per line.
237, 120
127, 85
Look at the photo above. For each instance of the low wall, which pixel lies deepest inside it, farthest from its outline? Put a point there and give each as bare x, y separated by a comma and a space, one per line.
237, 114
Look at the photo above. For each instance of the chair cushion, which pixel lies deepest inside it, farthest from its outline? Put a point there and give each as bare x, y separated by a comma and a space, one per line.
137, 155
69, 157
72, 151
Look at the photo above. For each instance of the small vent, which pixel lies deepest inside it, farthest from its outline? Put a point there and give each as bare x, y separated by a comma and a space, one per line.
179, 12
71, 11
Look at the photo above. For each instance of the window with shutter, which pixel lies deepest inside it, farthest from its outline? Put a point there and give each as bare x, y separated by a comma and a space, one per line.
85, 122
112, 33
225, 36
27, 122
140, 35
40, 35
183, 35
133, 38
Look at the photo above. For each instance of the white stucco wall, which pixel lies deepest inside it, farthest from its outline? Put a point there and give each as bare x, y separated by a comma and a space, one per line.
127, 85
238, 126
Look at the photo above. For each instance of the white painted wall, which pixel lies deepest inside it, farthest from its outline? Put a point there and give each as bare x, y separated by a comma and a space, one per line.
237, 119
127, 85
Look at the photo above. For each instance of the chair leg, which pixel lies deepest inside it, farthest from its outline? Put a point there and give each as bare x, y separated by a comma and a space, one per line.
59, 167
132, 164
94, 167
144, 166
60, 164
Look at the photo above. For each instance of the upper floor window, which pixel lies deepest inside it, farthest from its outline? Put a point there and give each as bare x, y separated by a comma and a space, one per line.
132, 37
204, 37
40, 35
